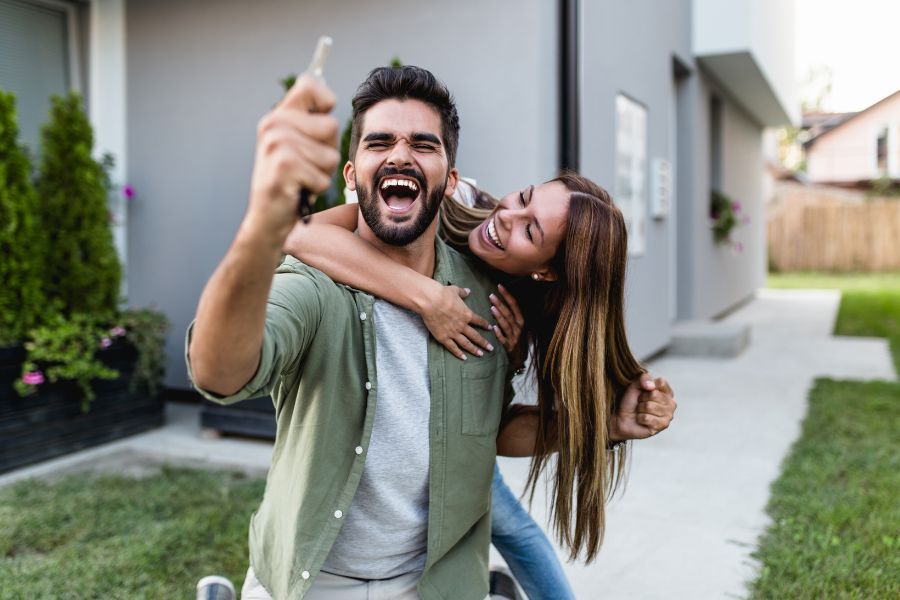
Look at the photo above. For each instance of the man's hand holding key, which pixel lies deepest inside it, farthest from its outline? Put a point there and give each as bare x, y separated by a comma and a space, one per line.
296, 147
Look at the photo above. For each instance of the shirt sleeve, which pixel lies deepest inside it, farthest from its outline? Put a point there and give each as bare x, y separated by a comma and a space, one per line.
293, 314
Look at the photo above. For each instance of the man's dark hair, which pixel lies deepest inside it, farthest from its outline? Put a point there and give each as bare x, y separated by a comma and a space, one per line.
404, 83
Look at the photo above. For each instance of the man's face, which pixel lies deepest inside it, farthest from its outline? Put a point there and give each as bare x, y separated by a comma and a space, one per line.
400, 172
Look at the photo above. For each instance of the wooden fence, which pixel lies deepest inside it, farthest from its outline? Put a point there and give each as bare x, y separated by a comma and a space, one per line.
824, 234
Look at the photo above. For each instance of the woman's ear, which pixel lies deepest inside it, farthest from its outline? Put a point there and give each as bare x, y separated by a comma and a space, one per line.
544, 274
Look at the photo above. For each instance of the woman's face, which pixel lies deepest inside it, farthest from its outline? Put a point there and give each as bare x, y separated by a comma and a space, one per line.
524, 231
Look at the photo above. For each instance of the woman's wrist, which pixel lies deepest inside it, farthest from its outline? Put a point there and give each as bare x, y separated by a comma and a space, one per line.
424, 295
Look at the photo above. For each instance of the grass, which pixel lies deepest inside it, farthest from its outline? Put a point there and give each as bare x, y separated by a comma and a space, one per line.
120, 537
835, 509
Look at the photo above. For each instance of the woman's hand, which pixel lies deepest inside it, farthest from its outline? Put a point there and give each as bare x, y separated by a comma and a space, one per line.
509, 324
452, 323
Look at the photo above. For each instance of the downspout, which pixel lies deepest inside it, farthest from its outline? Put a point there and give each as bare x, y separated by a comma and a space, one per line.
568, 85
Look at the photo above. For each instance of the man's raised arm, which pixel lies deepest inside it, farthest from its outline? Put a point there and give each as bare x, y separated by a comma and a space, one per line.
295, 147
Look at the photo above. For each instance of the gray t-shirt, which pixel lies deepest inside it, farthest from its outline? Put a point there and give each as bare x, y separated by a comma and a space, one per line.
385, 531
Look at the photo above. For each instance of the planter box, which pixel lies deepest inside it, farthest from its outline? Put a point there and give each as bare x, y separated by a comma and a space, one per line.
50, 423
254, 417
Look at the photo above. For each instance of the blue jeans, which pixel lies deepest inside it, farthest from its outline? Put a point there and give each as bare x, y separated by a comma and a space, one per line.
524, 547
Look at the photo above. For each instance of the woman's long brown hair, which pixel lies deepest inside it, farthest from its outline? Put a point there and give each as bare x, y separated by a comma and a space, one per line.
576, 331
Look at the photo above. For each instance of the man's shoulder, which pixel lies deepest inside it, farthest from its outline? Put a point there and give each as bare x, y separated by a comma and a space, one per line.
468, 270
294, 277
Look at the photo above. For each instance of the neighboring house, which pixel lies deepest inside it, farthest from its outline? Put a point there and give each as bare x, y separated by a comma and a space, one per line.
858, 148
660, 101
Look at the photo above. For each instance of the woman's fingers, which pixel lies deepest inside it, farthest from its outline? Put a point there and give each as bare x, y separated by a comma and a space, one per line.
450, 345
500, 337
518, 317
466, 344
477, 339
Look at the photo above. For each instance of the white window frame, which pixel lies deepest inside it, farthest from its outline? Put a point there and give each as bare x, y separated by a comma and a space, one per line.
634, 204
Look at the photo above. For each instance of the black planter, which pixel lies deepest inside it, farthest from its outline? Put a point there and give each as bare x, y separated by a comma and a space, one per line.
51, 423
254, 418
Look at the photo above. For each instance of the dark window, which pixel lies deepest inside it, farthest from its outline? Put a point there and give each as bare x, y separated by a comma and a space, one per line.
881, 151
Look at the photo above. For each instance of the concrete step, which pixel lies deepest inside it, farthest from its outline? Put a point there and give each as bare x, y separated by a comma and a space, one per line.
714, 339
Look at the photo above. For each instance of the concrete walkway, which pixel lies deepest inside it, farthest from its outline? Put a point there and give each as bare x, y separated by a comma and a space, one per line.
693, 507
694, 504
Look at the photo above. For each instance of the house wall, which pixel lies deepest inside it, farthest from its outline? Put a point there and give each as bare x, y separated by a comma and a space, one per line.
201, 74
714, 278
198, 80
649, 34
847, 153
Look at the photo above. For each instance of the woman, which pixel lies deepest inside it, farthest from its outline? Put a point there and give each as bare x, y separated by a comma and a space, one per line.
560, 248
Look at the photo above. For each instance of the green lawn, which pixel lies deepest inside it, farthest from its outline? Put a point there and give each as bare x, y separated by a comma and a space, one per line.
120, 537
835, 508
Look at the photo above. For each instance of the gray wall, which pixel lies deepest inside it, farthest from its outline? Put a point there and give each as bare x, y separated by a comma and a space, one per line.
201, 74
628, 48
713, 279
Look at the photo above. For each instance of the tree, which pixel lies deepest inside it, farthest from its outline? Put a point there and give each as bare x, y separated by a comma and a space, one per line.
82, 271
21, 241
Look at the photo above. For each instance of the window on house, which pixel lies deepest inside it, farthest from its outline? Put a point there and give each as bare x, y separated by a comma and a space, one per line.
881, 152
38, 58
631, 169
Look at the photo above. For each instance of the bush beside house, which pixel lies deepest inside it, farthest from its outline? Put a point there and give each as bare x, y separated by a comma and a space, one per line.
65, 347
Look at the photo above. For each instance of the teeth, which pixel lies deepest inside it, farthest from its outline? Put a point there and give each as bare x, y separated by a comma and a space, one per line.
396, 182
492, 231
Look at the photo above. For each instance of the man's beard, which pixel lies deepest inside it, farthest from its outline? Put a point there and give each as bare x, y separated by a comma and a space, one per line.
404, 233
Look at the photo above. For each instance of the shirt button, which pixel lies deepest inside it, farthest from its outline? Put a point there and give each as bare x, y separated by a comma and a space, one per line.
368, 385
305, 574
358, 450
338, 514
362, 316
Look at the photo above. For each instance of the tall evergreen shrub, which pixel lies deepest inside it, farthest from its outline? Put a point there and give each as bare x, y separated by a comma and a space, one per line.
83, 270
21, 243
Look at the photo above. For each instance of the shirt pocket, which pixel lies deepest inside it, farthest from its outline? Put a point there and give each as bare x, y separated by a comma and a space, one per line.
482, 398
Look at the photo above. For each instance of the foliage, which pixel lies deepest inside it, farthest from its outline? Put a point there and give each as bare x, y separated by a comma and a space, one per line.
883, 187
112, 536
71, 348
21, 239
725, 216
66, 348
145, 329
83, 273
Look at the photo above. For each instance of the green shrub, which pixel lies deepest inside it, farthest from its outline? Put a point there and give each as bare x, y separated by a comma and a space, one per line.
82, 268
21, 240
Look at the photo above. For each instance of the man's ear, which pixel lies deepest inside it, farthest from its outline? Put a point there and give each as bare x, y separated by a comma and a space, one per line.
350, 176
452, 181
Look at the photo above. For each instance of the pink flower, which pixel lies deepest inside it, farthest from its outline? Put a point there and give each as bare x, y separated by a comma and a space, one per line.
736, 206
117, 331
33, 378
128, 192
739, 247
105, 342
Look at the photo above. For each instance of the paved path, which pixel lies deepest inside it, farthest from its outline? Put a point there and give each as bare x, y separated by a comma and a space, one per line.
694, 504
693, 507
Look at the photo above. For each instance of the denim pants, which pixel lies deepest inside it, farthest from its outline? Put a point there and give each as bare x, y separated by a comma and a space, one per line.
524, 546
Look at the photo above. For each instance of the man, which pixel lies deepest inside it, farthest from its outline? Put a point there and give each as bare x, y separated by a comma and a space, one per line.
393, 501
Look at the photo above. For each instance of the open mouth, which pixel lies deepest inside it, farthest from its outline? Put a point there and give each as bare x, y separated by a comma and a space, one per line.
489, 232
399, 193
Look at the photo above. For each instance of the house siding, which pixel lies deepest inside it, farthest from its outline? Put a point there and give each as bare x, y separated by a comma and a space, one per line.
198, 80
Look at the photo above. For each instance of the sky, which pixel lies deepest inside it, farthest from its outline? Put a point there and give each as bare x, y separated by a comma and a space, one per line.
859, 40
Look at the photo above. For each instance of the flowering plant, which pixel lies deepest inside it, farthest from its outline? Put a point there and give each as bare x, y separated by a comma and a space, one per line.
72, 348
725, 215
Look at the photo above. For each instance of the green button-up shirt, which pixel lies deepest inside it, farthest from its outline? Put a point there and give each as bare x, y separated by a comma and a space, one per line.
318, 364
